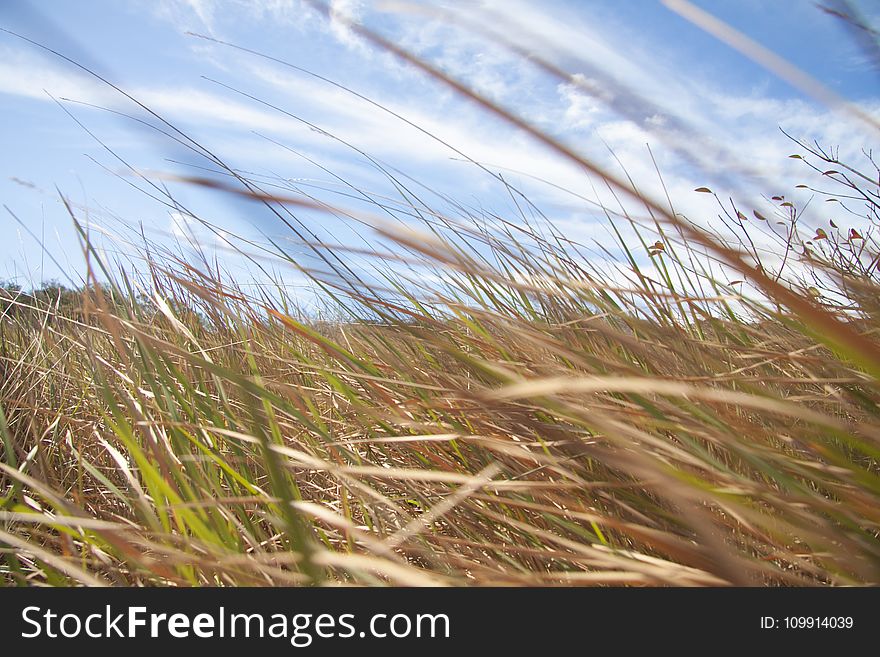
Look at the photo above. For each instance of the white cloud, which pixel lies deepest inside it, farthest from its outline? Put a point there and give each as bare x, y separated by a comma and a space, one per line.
343, 12
32, 78
217, 17
186, 14
581, 110
24, 75
181, 226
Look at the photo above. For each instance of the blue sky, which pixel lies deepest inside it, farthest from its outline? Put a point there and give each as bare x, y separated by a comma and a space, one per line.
654, 71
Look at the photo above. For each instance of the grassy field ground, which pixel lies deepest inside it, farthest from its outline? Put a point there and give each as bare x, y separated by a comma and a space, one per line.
496, 410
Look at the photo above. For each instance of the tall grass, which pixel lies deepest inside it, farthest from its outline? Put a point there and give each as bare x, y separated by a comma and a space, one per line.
491, 408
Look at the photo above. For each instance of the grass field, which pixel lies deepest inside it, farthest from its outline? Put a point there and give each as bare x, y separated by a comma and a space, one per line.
491, 408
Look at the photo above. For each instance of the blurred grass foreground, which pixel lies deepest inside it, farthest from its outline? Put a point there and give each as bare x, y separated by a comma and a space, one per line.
488, 407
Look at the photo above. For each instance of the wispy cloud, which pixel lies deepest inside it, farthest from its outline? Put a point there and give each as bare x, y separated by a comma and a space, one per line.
187, 14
